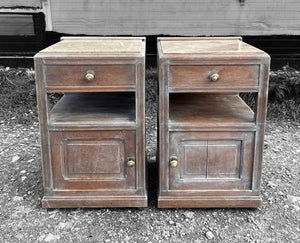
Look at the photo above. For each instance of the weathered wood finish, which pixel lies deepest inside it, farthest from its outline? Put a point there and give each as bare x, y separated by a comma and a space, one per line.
12, 24
21, 4
92, 160
94, 110
211, 161
188, 111
216, 138
88, 137
196, 77
173, 17
106, 76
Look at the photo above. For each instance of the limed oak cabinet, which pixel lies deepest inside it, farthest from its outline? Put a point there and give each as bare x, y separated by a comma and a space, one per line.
210, 140
93, 139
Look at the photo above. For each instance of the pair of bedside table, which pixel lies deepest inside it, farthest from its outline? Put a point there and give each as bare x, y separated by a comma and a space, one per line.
93, 139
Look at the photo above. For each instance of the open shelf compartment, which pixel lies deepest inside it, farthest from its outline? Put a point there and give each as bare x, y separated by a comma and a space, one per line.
94, 109
198, 110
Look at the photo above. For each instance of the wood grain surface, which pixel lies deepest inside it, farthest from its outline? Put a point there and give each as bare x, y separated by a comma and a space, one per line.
174, 17
90, 160
21, 3
12, 24
192, 76
190, 110
106, 76
96, 109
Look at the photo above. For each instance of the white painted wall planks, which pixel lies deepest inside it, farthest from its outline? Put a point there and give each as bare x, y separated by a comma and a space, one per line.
12, 24
176, 17
21, 3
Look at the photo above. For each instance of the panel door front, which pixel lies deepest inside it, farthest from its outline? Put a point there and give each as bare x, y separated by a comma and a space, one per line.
211, 160
92, 160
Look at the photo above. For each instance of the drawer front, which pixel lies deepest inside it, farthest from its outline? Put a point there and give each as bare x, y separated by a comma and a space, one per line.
211, 160
74, 76
93, 160
193, 76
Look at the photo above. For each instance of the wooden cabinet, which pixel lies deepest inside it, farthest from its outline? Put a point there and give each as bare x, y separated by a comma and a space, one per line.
93, 138
210, 140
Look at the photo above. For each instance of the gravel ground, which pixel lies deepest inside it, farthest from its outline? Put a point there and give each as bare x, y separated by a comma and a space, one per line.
23, 220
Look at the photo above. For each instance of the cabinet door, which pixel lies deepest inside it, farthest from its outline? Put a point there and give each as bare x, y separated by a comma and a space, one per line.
94, 160
211, 160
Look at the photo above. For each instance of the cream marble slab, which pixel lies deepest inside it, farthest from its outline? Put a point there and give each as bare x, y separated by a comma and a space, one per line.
105, 46
208, 46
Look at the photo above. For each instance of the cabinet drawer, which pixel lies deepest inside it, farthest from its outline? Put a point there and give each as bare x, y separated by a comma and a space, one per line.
93, 160
211, 160
230, 76
105, 76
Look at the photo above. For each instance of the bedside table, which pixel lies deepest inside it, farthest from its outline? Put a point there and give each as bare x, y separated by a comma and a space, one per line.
210, 140
93, 139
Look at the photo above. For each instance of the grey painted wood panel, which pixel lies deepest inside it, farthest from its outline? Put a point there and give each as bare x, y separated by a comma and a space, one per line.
12, 24
21, 3
174, 17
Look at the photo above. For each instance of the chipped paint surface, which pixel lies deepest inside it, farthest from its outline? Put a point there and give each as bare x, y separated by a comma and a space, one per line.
176, 17
21, 4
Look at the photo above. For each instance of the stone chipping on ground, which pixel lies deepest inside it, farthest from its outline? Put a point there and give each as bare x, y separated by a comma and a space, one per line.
23, 220
21, 215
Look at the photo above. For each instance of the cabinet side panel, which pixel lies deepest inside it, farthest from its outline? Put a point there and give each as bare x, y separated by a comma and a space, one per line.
261, 110
163, 117
140, 122
43, 113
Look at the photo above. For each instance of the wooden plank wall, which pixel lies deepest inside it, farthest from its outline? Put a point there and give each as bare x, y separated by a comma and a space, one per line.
176, 17
16, 24
21, 34
21, 3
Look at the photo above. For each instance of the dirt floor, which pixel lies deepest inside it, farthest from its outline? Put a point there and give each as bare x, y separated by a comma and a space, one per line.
23, 220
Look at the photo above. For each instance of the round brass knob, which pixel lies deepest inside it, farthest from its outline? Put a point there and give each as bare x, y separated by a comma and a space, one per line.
89, 76
173, 162
214, 77
130, 163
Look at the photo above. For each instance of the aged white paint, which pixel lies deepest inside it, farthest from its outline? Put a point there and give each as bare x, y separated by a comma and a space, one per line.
176, 17
20, 24
48, 15
21, 3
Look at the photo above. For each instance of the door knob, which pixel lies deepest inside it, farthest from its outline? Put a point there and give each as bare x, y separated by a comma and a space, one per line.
173, 162
214, 77
89, 76
131, 162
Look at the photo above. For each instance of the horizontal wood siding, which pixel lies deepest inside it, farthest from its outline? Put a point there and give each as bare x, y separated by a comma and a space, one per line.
176, 17
16, 24
21, 3
23, 37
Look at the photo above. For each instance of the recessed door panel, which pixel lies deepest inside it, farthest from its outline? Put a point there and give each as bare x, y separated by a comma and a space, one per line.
94, 160
211, 160
223, 158
194, 158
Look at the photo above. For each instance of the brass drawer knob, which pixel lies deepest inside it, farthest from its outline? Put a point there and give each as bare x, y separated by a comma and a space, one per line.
214, 77
173, 162
89, 76
131, 163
